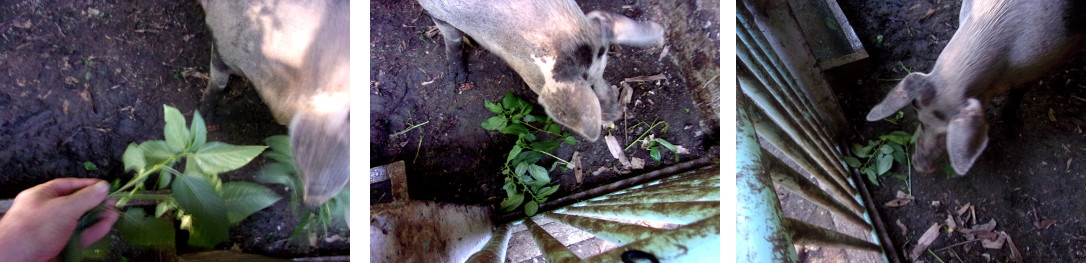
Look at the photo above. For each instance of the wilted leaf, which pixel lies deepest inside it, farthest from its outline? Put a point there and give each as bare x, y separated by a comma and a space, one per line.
217, 157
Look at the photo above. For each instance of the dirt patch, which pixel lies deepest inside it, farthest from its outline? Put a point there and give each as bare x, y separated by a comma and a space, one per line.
459, 162
83, 79
1029, 178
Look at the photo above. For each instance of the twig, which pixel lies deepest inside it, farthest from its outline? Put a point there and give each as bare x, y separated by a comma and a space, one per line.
643, 135
958, 244
419, 148
409, 129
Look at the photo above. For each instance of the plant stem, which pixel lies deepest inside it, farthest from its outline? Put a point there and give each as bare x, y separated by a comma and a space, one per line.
409, 129
643, 135
548, 154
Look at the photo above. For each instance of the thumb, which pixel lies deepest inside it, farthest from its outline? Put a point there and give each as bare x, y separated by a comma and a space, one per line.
87, 198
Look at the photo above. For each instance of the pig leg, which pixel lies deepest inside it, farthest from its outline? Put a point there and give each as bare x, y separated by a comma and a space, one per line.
457, 69
1009, 113
220, 75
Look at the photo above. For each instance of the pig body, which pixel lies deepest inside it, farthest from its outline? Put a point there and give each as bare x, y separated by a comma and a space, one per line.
558, 50
295, 52
999, 45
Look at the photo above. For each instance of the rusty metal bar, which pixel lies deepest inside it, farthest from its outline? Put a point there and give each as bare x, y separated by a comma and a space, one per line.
553, 251
615, 232
760, 234
673, 212
696, 242
701, 164
494, 250
808, 234
785, 177
676, 193
711, 180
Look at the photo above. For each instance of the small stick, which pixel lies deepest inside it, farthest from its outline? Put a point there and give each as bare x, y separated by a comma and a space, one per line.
409, 129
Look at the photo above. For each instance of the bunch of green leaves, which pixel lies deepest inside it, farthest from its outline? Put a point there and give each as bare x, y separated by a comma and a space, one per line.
525, 181
283, 172
204, 205
878, 156
654, 150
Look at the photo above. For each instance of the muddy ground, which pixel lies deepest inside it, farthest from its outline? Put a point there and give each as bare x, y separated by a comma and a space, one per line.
1031, 178
452, 159
83, 79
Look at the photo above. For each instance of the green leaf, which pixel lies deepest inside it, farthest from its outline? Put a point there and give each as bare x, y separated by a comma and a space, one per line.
513, 153
884, 163
164, 179
859, 151
539, 173
899, 154
547, 191
531, 208
897, 137
276, 173
495, 123
546, 146
555, 129
278, 143
529, 157
133, 159
164, 206
654, 152
571, 140
89, 166
521, 168
244, 198
136, 228
529, 118
886, 149
668, 145
852, 161
510, 187
156, 151
495, 108
871, 177
198, 130
209, 220
514, 129
512, 203
509, 101
217, 157
176, 134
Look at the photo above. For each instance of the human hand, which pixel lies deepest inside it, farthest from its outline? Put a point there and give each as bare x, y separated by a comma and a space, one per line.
43, 218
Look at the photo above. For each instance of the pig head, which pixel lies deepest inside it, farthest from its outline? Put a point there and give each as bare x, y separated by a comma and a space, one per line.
557, 49
295, 53
999, 45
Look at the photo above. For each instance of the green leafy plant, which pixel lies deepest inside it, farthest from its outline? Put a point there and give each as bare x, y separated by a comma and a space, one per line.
283, 172
878, 156
526, 183
204, 205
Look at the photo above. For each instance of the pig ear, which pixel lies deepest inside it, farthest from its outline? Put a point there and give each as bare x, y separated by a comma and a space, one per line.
967, 136
898, 97
626, 31
573, 106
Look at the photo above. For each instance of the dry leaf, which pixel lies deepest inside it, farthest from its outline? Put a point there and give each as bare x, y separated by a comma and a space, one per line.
1044, 224
1015, 255
578, 172
679, 149
599, 171
645, 78
994, 244
898, 202
637, 163
663, 54
616, 151
925, 241
964, 208
1051, 115
626, 95
902, 226
951, 225
23, 25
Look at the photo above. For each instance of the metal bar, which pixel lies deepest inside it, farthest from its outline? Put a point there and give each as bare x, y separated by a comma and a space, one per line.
808, 234
760, 234
880, 232
774, 135
703, 163
675, 194
615, 232
494, 250
785, 177
553, 251
696, 242
797, 127
674, 212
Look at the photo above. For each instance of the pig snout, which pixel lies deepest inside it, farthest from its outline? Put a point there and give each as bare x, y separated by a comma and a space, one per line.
295, 54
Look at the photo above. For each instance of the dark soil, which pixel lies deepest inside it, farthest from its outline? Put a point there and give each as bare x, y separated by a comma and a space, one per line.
1030, 174
452, 159
83, 79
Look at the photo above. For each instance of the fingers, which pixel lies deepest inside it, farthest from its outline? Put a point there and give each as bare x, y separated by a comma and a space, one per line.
86, 198
65, 186
92, 234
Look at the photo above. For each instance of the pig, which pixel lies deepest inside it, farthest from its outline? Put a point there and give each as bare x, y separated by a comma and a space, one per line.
1000, 45
557, 49
295, 52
